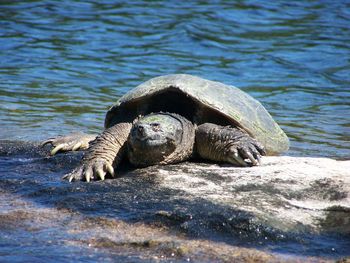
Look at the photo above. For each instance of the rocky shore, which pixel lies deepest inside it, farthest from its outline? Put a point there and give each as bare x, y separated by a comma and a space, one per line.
288, 209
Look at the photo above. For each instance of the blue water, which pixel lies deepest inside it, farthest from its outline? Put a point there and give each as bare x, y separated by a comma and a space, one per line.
64, 63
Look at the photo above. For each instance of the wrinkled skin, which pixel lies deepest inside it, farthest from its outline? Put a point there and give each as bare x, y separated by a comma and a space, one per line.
228, 144
153, 138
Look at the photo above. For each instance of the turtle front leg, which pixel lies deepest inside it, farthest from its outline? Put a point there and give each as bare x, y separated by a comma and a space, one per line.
227, 144
103, 155
70, 142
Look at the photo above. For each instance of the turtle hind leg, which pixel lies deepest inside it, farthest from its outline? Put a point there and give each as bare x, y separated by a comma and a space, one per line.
227, 144
70, 142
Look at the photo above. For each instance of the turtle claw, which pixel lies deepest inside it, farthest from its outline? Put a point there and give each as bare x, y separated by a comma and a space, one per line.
75, 175
57, 148
69, 177
258, 158
101, 174
91, 170
48, 141
88, 175
76, 146
235, 158
110, 169
252, 159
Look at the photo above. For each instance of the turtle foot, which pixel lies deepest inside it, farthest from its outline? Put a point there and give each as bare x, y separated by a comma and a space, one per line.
89, 170
70, 142
246, 151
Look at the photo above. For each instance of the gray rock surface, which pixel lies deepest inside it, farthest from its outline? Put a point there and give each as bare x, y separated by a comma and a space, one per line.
289, 209
288, 193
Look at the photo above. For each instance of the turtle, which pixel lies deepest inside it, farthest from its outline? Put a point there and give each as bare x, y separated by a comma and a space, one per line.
174, 118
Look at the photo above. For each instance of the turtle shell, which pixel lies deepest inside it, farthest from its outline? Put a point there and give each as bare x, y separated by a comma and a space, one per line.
201, 101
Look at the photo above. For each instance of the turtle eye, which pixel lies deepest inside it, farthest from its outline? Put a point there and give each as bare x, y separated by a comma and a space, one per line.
155, 126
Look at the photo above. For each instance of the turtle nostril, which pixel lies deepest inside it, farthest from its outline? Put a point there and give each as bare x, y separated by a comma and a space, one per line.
140, 131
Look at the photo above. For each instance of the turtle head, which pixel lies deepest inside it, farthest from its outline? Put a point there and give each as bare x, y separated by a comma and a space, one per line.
153, 138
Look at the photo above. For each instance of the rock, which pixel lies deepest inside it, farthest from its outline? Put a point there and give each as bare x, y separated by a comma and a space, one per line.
286, 193
287, 209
